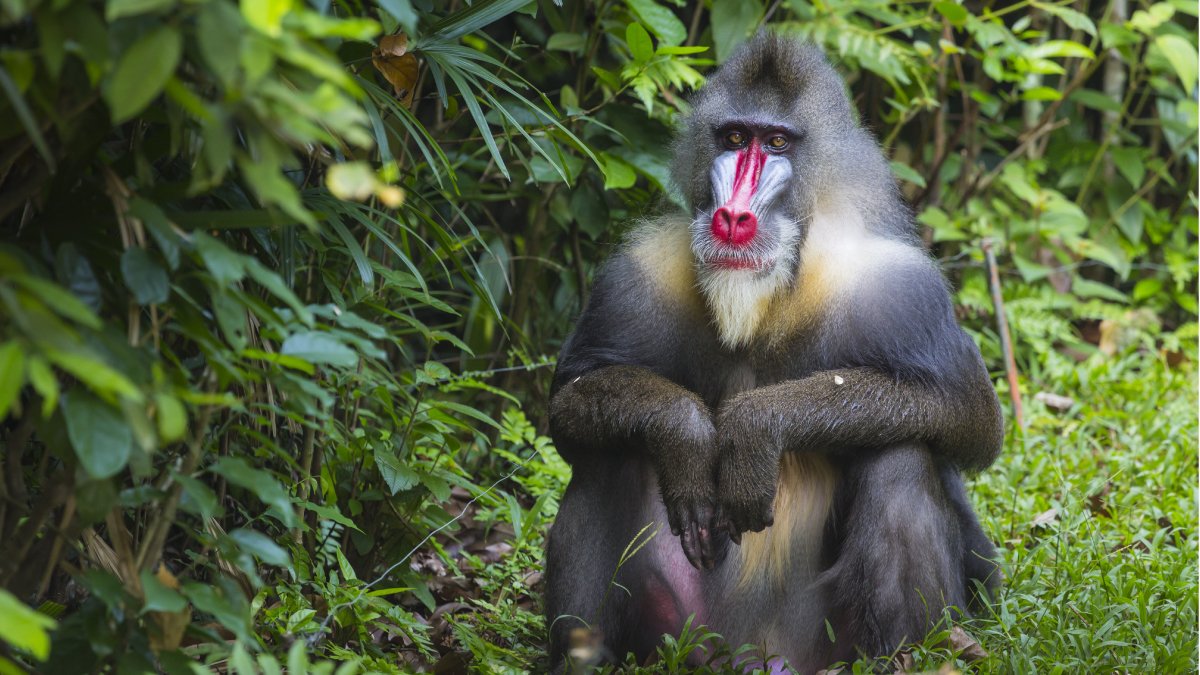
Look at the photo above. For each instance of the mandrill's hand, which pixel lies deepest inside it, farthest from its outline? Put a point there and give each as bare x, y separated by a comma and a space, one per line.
683, 442
748, 468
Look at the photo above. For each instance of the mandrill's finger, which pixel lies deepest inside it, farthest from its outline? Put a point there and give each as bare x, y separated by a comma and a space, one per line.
690, 545
704, 535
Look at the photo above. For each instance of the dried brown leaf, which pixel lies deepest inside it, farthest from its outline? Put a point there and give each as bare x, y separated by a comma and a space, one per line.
398, 66
967, 647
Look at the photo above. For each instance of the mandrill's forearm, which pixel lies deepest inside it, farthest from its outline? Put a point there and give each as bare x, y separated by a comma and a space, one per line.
839, 410
625, 408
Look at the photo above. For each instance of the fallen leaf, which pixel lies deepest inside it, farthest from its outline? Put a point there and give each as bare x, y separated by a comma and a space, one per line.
968, 648
1045, 518
1054, 401
398, 66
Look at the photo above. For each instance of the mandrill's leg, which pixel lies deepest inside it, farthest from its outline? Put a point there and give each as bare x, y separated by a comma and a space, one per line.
900, 559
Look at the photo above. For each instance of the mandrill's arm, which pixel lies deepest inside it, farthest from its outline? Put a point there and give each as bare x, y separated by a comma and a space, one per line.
911, 376
608, 400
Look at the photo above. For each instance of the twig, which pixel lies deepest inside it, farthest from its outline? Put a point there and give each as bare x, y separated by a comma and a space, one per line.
1010, 364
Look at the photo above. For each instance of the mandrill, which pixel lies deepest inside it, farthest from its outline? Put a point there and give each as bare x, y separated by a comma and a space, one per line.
776, 376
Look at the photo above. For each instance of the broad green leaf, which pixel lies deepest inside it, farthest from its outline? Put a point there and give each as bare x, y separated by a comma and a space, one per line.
1182, 56
142, 72
907, 173
660, 20
144, 276
12, 375
158, 596
566, 42
266, 16
617, 173
639, 43
396, 474
44, 383
24, 628
1060, 49
732, 22
955, 13
218, 31
171, 417
261, 483
1041, 94
60, 300
317, 347
227, 267
1074, 19
102, 439
95, 374
197, 498
116, 9
261, 547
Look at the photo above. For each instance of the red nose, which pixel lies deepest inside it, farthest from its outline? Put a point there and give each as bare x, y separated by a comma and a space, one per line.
736, 228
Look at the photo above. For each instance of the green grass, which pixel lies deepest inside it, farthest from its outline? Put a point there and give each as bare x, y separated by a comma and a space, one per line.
1094, 510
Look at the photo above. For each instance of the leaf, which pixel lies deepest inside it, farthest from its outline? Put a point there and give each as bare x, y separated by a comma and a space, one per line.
1060, 49
260, 483
266, 16
1074, 19
395, 473
227, 267
142, 72
28, 121
219, 27
12, 375
317, 347
95, 374
1182, 56
116, 9
907, 173
617, 173
660, 20
732, 22
159, 596
144, 276
398, 66
171, 417
60, 300
44, 383
352, 181
102, 440
261, 547
24, 628
955, 13
639, 43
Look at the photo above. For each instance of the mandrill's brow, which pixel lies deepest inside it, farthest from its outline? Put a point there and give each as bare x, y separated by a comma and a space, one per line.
757, 127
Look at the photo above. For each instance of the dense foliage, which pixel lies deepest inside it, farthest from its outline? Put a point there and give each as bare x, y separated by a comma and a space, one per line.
280, 283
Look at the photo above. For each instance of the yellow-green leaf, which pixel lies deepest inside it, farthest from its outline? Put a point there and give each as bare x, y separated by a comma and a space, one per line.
142, 72
12, 375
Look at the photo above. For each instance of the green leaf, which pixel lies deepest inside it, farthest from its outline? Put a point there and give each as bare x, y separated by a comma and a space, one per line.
218, 31
317, 347
12, 375
60, 300
28, 121
1041, 94
266, 16
159, 596
260, 546
395, 473
227, 267
1060, 49
142, 72
732, 22
95, 374
24, 628
260, 483
1182, 56
102, 440
572, 43
639, 43
907, 173
660, 20
44, 383
617, 173
1074, 19
119, 8
955, 13
145, 277
171, 417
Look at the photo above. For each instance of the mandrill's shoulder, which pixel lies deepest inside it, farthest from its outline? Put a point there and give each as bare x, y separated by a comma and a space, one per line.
660, 251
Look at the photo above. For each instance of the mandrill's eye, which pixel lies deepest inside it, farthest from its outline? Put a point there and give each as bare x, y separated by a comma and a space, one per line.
777, 142
735, 139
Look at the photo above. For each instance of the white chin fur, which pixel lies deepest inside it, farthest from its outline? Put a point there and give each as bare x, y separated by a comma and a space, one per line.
738, 299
